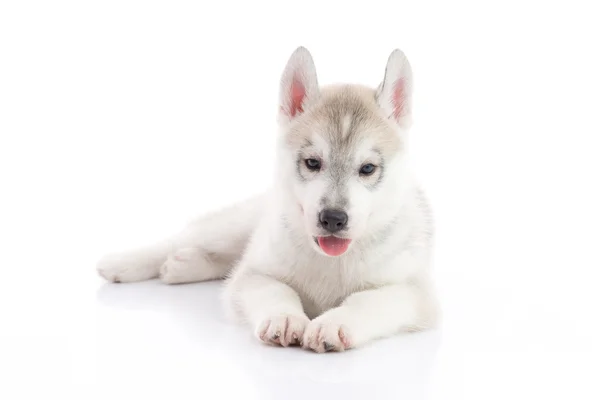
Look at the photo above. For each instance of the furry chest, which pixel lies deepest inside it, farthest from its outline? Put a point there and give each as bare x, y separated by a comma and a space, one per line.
322, 286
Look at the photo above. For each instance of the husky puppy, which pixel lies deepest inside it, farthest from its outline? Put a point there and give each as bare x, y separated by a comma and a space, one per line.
338, 252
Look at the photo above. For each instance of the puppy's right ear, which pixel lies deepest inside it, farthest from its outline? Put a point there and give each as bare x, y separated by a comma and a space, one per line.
299, 87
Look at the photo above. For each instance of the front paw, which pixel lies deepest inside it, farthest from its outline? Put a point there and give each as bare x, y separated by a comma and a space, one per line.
325, 334
283, 330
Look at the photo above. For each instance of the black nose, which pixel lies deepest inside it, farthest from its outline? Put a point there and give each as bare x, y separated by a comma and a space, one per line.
333, 220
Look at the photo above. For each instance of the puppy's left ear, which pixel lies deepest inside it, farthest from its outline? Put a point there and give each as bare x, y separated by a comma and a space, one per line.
394, 95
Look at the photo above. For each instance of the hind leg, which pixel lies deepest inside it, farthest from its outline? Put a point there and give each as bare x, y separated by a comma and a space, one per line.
206, 249
135, 265
193, 264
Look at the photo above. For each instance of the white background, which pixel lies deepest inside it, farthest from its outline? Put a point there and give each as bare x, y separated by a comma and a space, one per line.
119, 120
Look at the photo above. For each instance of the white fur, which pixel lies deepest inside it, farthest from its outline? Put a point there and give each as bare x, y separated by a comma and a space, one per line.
278, 279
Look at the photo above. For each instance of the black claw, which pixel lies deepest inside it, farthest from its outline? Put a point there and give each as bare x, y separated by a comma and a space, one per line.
328, 346
276, 336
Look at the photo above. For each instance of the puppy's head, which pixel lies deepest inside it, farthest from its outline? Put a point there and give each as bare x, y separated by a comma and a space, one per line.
342, 150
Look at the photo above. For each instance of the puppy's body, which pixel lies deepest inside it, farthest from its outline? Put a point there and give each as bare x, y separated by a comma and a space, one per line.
337, 253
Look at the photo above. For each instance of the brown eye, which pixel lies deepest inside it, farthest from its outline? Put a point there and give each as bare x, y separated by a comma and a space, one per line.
367, 169
313, 164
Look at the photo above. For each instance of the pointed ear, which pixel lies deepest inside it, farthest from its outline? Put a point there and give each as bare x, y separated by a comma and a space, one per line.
395, 92
299, 87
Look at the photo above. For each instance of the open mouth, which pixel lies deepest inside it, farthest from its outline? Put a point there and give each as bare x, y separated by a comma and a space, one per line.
332, 245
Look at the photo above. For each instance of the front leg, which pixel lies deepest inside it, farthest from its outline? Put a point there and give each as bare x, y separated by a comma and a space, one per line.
272, 308
372, 314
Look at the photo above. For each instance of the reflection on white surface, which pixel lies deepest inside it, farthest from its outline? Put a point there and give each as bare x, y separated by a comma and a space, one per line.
151, 336
197, 343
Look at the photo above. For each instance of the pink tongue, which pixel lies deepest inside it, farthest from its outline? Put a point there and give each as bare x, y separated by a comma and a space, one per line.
333, 246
